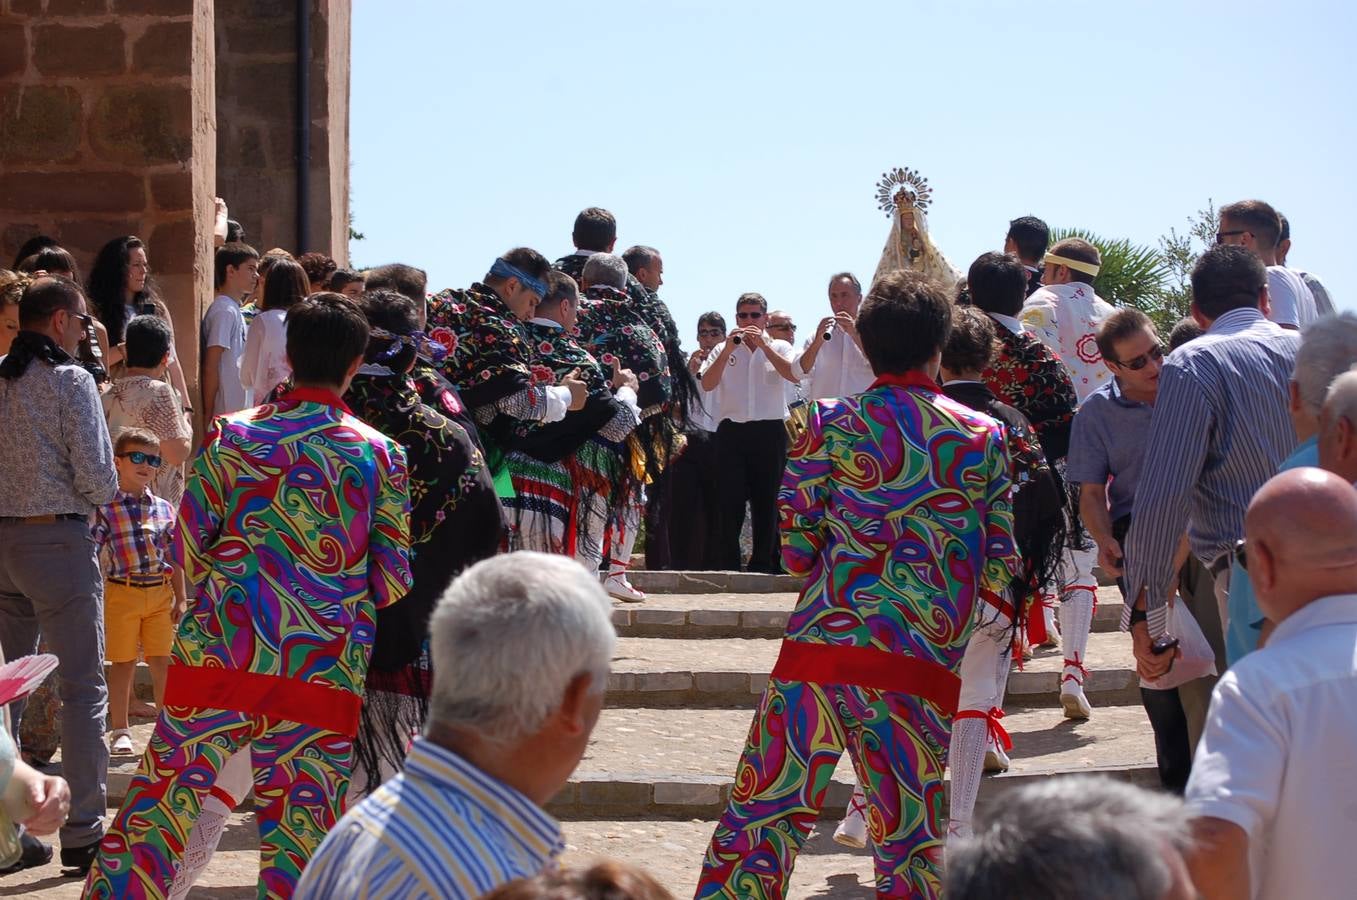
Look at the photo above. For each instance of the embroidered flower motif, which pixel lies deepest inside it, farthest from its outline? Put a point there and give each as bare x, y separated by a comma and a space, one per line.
1087, 350
444, 337
542, 375
544, 348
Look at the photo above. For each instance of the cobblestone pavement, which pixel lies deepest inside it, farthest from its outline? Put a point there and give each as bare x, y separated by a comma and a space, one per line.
671, 851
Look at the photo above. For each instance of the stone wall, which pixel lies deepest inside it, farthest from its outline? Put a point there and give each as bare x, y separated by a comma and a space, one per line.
108, 128
257, 131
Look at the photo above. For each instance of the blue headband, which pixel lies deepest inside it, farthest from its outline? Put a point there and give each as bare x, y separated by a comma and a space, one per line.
502, 269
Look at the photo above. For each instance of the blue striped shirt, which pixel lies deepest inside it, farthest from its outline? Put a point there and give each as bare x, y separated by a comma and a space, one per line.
1221, 427
442, 828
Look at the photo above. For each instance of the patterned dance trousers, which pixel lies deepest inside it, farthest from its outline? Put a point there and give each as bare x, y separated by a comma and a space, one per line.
301, 774
898, 744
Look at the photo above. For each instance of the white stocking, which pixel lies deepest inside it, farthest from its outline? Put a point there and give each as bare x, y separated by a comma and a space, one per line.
624, 539
1076, 620
965, 760
233, 783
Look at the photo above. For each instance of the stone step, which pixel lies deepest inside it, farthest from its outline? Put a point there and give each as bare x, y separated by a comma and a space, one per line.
732, 672
755, 615
668, 763
676, 582
673, 582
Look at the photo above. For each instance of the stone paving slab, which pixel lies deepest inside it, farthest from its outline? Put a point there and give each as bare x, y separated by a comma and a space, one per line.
718, 672
755, 615
654, 582
680, 763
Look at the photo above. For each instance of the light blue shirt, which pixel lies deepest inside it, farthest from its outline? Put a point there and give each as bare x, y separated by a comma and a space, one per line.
441, 829
1246, 619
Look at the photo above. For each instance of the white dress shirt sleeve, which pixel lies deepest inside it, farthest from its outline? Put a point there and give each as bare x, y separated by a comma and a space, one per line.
558, 402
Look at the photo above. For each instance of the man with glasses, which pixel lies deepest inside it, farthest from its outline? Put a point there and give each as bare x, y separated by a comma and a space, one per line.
832, 358
1107, 454
1256, 226
1221, 428
695, 545
745, 376
58, 467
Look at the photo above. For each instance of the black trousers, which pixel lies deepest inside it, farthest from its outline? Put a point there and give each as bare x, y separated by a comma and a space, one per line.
659, 505
751, 456
695, 506
1178, 715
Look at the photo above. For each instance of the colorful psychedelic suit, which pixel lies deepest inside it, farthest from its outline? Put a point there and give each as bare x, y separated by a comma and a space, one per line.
571, 476
895, 507
293, 532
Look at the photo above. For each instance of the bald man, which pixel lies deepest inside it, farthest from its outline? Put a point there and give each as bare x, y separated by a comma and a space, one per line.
1338, 428
1273, 780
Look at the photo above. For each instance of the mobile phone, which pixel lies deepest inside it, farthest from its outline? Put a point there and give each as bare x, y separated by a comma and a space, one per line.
1163, 644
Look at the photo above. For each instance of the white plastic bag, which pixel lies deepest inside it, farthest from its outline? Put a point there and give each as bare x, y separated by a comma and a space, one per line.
1198, 659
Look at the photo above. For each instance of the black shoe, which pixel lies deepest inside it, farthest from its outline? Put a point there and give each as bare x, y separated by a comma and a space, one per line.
35, 853
76, 861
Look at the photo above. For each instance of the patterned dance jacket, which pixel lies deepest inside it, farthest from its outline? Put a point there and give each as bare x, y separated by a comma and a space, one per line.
293, 531
896, 507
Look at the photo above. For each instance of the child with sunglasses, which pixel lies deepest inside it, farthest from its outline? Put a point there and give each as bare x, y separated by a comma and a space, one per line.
144, 594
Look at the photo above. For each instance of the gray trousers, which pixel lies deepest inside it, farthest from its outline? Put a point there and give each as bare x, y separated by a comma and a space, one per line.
50, 584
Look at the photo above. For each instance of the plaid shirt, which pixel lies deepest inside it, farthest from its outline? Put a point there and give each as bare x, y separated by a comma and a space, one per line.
137, 531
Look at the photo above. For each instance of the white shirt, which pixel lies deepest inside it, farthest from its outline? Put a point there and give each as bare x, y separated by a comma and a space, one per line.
1009, 322
1065, 317
1292, 303
1278, 756
264, 365
224, 326
840, 370
751, 390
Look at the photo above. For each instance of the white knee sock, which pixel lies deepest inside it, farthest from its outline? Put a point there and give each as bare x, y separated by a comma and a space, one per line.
202, 845
624, 539
965, 761
1076, 620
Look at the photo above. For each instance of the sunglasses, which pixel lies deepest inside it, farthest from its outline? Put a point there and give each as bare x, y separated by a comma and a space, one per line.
781, 326
710, 332
1156, 353
1222, 235
140, 458
1240, 554
749, 315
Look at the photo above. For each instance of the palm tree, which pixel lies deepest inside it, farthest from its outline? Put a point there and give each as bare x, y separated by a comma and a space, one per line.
1130, 275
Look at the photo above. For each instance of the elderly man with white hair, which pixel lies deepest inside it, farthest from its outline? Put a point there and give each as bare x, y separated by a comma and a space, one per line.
1076, 837
1328, 349
521, 644
1338, 428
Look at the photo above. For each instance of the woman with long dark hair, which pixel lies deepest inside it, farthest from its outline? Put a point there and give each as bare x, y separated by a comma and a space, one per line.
120, 287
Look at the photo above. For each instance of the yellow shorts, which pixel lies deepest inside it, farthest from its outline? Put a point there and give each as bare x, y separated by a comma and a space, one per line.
137, 615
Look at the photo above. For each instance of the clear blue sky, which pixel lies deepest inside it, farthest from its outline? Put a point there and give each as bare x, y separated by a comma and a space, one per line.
743, 139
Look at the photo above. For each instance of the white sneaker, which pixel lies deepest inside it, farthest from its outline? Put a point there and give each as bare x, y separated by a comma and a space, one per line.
1073, 701
618, 587
852, 831
996, 760
121, 744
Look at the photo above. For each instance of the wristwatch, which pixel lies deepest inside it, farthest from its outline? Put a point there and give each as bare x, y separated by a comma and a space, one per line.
1138, 615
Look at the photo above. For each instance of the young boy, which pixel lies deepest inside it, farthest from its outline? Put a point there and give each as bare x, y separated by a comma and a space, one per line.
237, 271
293, 532
143, 591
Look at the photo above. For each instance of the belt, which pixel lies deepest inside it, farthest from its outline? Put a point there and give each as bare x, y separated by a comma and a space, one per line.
49, 519
146, 581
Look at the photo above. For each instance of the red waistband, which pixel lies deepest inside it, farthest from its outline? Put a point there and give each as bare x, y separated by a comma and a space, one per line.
870, 668
319, 705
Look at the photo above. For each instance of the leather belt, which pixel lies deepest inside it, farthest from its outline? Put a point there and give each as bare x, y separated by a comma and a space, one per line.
148, 582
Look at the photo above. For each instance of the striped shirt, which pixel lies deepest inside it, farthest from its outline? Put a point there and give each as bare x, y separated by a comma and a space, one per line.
440, 829
1220, 429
